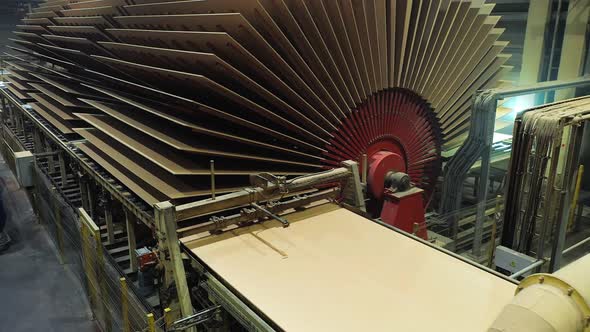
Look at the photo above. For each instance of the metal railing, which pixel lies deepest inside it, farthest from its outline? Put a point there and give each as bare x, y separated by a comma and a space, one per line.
114, 301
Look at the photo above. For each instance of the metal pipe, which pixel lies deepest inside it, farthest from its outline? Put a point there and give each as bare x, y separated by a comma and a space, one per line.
581, 243
552, 49
245, 215
479, 145
365, 169
483, 118
541, 87
575, 143
251, 195
527, 269
270, 214
495, 220
212, 162
570, 222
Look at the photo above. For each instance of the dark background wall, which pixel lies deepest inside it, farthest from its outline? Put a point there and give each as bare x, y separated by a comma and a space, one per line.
11, 11
7, 24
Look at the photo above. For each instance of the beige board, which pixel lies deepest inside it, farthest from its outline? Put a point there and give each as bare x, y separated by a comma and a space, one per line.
89, 32
283, 75
144, 176
50, 117
31, 28
59, 110
96, 21
332, 270
18, 93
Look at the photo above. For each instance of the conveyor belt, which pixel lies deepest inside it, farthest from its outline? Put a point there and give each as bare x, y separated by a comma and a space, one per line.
332, 270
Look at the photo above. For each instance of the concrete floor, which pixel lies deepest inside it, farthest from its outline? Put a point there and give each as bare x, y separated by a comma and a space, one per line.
37, 293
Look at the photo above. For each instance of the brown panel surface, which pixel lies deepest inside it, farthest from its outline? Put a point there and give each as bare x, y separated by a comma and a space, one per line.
332, 270
48, 115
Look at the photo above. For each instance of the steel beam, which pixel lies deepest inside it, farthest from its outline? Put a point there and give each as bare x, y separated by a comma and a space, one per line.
538, 18
131, 241
574, 46
171, 258
108, 216
567, 186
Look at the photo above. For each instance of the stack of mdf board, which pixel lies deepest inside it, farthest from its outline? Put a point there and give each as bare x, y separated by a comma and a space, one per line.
543, 172
288, 87
333, 270
49, 95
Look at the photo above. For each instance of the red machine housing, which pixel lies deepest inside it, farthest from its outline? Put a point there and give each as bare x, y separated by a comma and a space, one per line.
398, 132
403, 204
405, 210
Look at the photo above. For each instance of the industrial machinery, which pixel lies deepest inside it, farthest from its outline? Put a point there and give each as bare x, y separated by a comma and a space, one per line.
287, 87
261, 142
541, 202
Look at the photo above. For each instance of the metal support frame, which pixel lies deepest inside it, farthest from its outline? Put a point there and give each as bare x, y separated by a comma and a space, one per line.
200, 317
538, 18
171, 258
574, 204
88, 229
531, 267
575, 246
91, 200
219, 294
62, 169
108, 217
50, 161
82, 179
37, 144
567, 185
151, 322
573, 50
125, 305
43, 137
353, 192
248, 214
479, 145
94, 231
58, 225
248, 196
131, 241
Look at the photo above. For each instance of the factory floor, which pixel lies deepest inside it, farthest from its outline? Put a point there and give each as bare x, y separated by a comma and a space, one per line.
37, 293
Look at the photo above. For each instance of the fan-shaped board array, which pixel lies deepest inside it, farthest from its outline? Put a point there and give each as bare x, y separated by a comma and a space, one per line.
282, 86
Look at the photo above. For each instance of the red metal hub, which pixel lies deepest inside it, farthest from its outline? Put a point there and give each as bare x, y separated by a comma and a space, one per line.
398, 131
380, 164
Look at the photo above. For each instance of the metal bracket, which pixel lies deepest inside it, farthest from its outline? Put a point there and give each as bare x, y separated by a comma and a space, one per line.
270, 214
196, 319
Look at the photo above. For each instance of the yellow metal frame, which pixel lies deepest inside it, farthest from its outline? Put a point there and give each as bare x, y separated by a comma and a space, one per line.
151, 322
125, 305
90, 229
571, 216
58, 225
86, 231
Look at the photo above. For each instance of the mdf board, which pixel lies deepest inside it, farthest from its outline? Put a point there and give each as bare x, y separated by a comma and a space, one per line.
289, 85
332, 270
